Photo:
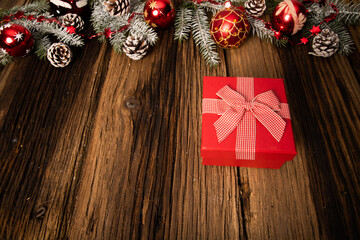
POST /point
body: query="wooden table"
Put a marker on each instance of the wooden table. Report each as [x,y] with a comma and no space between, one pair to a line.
[109,148]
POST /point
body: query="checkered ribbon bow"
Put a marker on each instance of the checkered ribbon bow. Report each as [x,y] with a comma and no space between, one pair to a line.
[264,107]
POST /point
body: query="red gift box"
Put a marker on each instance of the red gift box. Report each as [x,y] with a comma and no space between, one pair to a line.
[246,123]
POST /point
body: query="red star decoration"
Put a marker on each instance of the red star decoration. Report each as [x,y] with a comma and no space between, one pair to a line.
[31,17]
[41,18]
[304,40]
[108,33]
[315,30]
[18,15]
[71,29]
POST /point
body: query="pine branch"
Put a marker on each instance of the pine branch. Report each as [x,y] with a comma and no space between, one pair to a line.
[183,23]
[317,16]
[349,13]
[5,58]
[137,6]
[117,40]
[140,27]
[102,20]
[259,29]
[202,37]
[271,5]
[42,44]
[211,7]
[54,29]
[36,8]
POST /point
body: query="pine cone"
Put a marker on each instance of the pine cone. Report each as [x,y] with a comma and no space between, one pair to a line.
[72,20]
[255,8]
[117,7]
[135,47]
[59,54]
[325,44]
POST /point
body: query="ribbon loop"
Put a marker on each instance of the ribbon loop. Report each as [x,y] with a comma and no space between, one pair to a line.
[263,107]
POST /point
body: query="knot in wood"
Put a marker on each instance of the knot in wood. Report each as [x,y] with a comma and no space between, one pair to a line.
[132,103]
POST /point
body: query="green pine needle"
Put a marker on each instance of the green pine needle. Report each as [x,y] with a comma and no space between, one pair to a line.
[202,37]
[259,29]
[5,58]
[183,22]
[101,20]
[36,8]
[349,13]
[317,15]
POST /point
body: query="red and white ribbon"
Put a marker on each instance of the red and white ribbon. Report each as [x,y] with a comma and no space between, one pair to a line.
[240,109]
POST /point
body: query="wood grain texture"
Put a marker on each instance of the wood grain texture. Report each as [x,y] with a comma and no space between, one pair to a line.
[109,148]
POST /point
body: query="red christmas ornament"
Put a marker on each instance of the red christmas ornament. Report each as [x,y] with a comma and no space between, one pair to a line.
[229,27]
[159,13]
[16,40]
[289,17]
[62,7]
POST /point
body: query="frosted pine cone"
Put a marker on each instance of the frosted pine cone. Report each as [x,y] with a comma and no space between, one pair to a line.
[59,55]
[135,47]
[325,44]
[117,7]
[255,8]
[72,20]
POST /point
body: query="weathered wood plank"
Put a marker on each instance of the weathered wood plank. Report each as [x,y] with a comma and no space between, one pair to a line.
[110,148]
[277,204]
[43,138]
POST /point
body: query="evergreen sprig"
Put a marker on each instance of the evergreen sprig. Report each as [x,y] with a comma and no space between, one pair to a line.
[42,31]
[211,7]
[202,37]
[318,14]
[35,8]
[102,20]
[5,58]
[349,13]
[182,24]
[260,30]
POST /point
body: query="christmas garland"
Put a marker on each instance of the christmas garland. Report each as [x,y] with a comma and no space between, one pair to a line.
[132,26]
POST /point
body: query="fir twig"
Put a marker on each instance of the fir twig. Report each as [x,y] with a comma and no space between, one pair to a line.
[183,21]
[42,44]
[259,29]
[44,29]
[5,58]
[117,40]
[349,13]
[271,5]
[102,20]
[202,37]
[211,7]
[36,8]
[140,27]
[317,15]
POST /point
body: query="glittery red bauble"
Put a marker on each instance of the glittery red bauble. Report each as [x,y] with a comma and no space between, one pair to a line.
[289,17]
[229,27]
[62,7]
[159,13]
[16,40]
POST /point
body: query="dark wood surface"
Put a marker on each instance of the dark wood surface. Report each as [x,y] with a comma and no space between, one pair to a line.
[109,148]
